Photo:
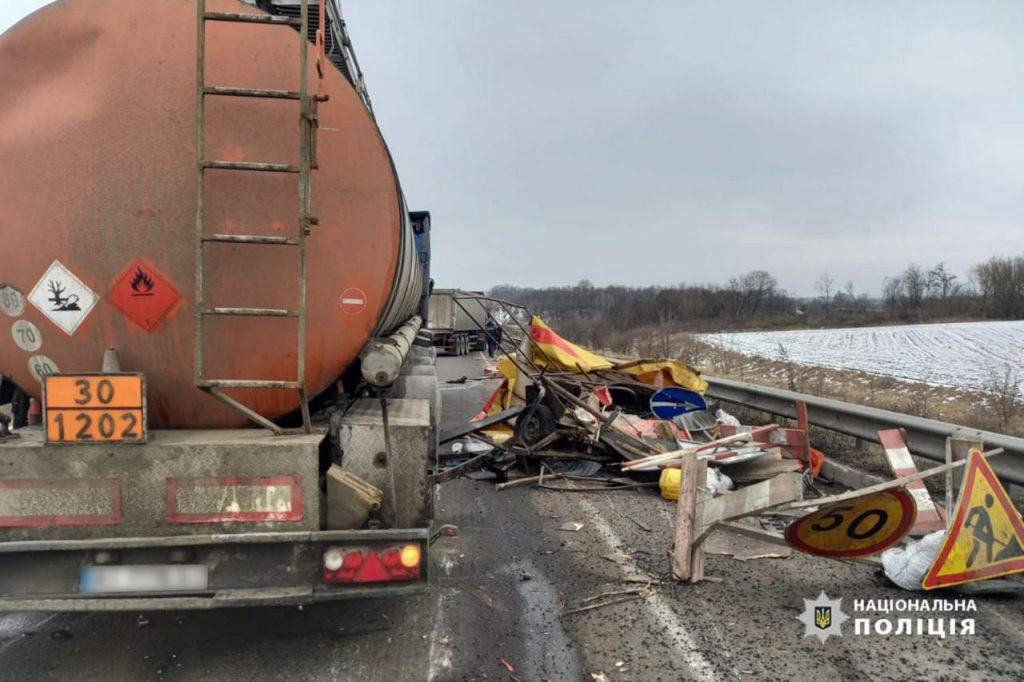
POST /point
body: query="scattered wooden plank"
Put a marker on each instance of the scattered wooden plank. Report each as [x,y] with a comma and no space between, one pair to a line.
[750,500]
[792,441]
[681,453]
[760,469]
[754,532]
[743,547]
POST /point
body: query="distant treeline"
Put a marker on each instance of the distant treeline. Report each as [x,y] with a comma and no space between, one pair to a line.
[595,315]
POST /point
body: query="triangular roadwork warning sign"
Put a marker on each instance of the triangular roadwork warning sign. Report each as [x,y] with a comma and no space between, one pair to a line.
[986,538]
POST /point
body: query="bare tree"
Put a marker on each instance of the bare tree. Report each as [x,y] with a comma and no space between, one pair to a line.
[1001,281]
[789,367]
[751,291]
[892,293]
[942,283]
[915,283]
[1005,385]
[824,285]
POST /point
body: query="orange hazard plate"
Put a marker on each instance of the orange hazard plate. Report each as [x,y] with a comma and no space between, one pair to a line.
[95,408]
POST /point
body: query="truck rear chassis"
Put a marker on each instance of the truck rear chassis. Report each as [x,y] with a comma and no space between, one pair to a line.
[246,569]
[247,508]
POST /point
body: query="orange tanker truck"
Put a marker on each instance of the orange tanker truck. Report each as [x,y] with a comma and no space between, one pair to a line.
[213,293]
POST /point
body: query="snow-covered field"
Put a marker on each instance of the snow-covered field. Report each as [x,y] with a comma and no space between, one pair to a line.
[963,355]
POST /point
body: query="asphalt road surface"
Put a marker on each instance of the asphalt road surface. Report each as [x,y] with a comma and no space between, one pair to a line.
[495,610]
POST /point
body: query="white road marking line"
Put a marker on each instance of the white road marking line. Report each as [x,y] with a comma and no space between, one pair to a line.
[656,605]
[439,660]
[540,614]
[20,624]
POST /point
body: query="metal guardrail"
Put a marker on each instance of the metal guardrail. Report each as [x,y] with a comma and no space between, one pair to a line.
[925,437]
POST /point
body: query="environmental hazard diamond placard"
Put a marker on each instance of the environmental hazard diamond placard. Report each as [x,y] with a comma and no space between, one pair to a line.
[986,538]
[62,297]
[144,295]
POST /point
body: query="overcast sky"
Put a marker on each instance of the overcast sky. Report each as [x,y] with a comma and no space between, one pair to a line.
[655,142]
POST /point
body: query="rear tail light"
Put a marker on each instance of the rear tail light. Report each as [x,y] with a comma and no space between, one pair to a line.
[372,564]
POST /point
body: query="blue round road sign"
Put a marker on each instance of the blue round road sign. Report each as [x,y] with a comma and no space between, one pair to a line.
[673,401]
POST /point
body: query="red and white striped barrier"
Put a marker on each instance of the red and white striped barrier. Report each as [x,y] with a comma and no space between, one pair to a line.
[928,516]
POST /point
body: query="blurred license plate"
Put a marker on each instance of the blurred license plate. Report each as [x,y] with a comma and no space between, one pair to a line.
[153,578]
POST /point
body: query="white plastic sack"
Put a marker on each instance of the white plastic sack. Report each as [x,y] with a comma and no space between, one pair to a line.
[718,481]
[724,417]
[470,446]
[907,565]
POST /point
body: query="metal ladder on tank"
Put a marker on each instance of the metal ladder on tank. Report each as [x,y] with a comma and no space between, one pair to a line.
[307,162]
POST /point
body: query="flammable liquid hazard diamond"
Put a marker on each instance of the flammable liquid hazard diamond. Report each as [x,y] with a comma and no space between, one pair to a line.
[144,295]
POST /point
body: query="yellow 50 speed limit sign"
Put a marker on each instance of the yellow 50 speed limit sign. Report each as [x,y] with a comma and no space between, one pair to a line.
[855,528]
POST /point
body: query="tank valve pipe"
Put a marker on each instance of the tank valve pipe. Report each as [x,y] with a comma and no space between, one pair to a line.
[381,359]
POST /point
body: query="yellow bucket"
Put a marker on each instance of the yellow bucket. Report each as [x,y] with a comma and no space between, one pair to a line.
[669,483]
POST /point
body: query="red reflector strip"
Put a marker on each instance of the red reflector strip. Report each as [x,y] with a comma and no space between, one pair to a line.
[59,502]
[246,499]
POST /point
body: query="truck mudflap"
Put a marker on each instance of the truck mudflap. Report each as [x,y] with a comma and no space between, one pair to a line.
[241,569]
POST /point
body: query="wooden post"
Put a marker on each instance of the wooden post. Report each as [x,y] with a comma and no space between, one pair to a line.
[957,450]
[949,482]
[686,512]
[697,545]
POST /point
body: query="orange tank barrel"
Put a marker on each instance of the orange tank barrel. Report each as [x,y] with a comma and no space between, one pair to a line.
[98,188]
